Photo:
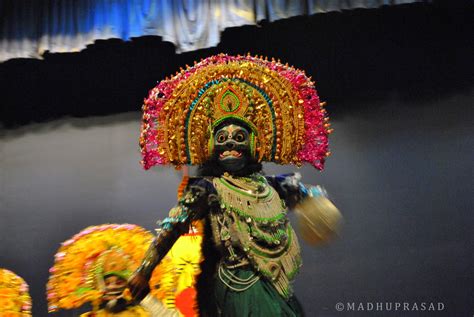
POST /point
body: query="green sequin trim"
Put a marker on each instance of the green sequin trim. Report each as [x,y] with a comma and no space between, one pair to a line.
[252,144]
[266,255]
[291,275]
[234,105]
[270,239]
[236,117]
[245,215]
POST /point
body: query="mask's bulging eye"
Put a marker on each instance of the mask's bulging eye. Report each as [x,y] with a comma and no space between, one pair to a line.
[239,137]
[221,137]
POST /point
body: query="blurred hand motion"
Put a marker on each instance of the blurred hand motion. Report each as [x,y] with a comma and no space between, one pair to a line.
[319,220]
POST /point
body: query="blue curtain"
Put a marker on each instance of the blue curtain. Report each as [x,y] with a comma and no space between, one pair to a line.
[30,28]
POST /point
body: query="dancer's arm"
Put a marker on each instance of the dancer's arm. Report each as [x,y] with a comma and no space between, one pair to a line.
[193,205]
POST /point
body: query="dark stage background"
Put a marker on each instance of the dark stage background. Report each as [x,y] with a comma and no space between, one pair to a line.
[399,83]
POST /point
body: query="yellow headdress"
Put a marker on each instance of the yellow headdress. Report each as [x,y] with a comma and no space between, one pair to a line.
[278,103]
[82,262]
[14,298]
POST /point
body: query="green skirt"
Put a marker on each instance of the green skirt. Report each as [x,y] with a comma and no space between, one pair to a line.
[260,299]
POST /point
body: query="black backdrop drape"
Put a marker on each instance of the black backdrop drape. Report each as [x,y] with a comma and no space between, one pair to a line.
[420,51]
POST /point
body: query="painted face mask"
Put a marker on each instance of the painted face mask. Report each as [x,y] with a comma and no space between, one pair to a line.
[232,145]
[114,287]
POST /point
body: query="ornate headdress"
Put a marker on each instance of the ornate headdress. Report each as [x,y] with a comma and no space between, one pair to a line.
[14,297]
[83,261]
[277,102]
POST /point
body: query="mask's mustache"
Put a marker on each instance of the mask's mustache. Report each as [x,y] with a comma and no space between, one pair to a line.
[232,153]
